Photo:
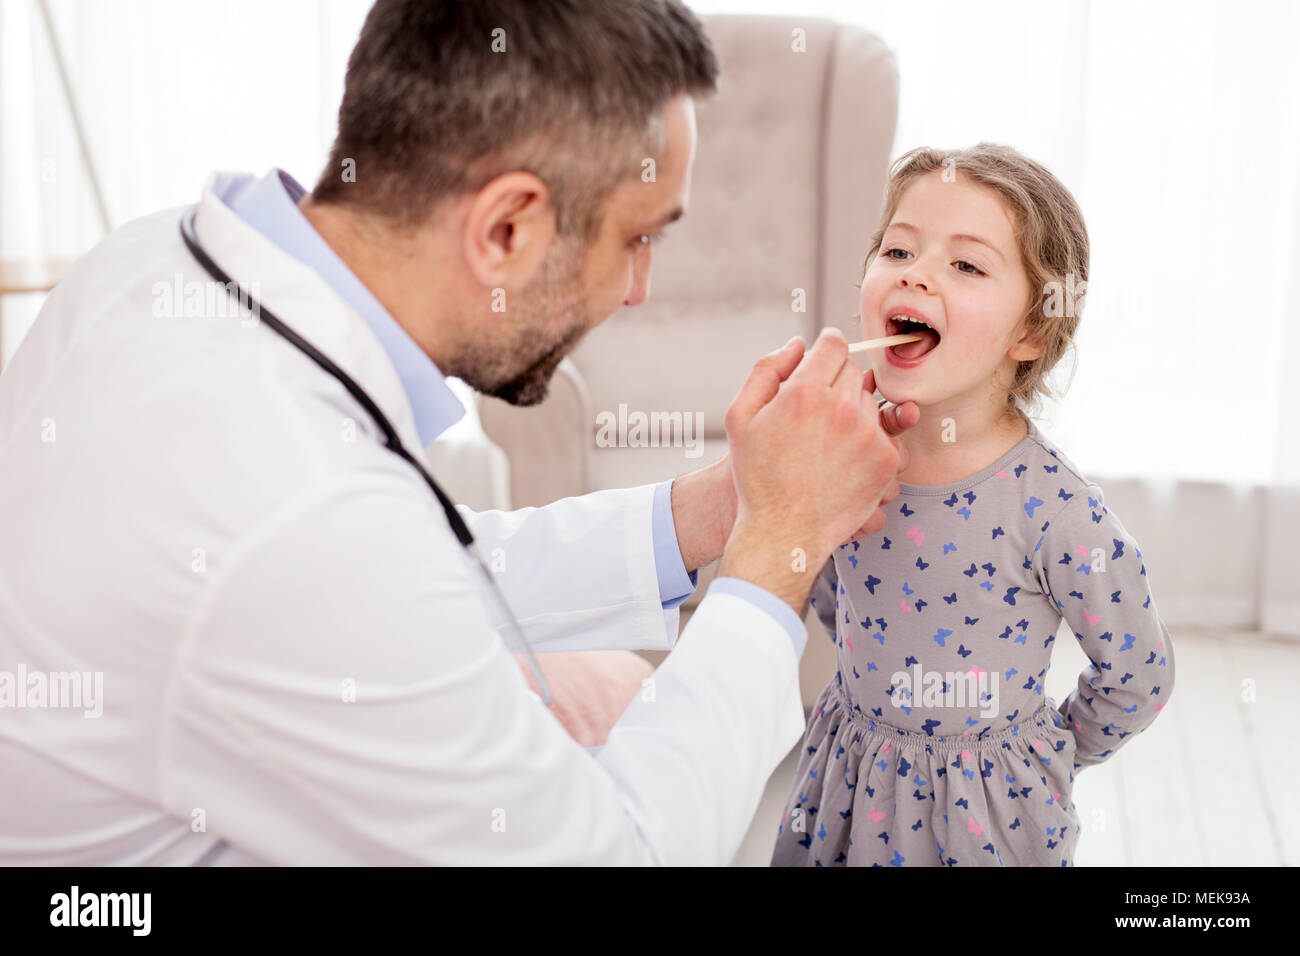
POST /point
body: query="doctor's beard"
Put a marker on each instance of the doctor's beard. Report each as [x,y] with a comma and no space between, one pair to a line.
[517,365]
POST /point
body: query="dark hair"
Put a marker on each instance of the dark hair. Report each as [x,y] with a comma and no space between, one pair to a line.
[441,96]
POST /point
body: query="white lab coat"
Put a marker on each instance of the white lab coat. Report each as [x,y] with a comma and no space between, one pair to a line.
[299,663]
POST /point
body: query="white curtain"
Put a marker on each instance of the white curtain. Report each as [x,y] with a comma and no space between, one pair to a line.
[167,92]
[1177,127]
[1175,124]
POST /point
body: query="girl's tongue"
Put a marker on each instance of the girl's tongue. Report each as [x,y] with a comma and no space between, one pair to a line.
[914,350]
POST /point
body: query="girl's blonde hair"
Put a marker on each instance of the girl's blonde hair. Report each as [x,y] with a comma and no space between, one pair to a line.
[1051,234]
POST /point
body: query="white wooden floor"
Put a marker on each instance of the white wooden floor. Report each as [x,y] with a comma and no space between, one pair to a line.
[1215,781]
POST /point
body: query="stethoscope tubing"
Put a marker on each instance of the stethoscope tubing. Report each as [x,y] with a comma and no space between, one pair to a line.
[390,437]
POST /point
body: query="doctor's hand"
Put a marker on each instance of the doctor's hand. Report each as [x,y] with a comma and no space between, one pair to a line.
[894,420]
[813,460]
[704,501]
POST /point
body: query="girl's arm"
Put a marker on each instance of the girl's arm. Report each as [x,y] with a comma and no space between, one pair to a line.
[822,599]
[1094,574]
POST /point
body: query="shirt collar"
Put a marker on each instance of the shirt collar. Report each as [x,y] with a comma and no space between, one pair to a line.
[270,205]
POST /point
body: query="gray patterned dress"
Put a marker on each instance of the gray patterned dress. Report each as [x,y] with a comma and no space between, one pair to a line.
[934,743]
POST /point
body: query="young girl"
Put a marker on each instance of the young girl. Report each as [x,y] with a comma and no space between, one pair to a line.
[934,743]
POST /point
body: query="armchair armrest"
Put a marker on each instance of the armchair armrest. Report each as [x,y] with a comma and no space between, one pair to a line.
[553,438]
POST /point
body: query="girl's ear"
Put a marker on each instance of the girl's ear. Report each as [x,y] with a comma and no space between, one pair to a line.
[1028,347]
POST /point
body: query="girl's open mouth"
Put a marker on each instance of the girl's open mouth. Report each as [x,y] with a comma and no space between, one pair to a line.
[910,352]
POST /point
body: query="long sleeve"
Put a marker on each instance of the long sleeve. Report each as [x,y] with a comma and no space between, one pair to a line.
[579,574]
[1092,569]
[822,599]
[676,584]
[320,716]
[588,573]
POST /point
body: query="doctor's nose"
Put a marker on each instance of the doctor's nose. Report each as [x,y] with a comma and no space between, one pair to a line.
[639,280]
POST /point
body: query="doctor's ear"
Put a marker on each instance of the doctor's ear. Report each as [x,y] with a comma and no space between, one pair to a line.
[509,225]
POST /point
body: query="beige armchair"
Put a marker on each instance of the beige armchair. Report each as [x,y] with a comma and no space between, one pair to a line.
[788,183]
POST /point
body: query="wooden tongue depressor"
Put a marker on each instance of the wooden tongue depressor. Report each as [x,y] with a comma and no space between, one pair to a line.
[884,343]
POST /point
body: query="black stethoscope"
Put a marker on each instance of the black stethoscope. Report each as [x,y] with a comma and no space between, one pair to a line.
[391,441]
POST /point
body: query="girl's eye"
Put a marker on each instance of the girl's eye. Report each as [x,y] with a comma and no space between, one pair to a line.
[648,240]
[969,269]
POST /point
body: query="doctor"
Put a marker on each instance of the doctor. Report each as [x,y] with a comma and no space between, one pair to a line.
[298,662]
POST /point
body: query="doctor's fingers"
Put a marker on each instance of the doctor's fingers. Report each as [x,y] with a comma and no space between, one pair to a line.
[894,419]
[904,458]
[873,524]
[878,519]
[890,492]
[824,362]
[763,383]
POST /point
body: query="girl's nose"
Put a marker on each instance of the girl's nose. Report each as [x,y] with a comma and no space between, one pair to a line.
[915,279]
[917,274]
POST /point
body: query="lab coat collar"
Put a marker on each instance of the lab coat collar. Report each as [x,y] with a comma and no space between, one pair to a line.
[270,205]
[304,301]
